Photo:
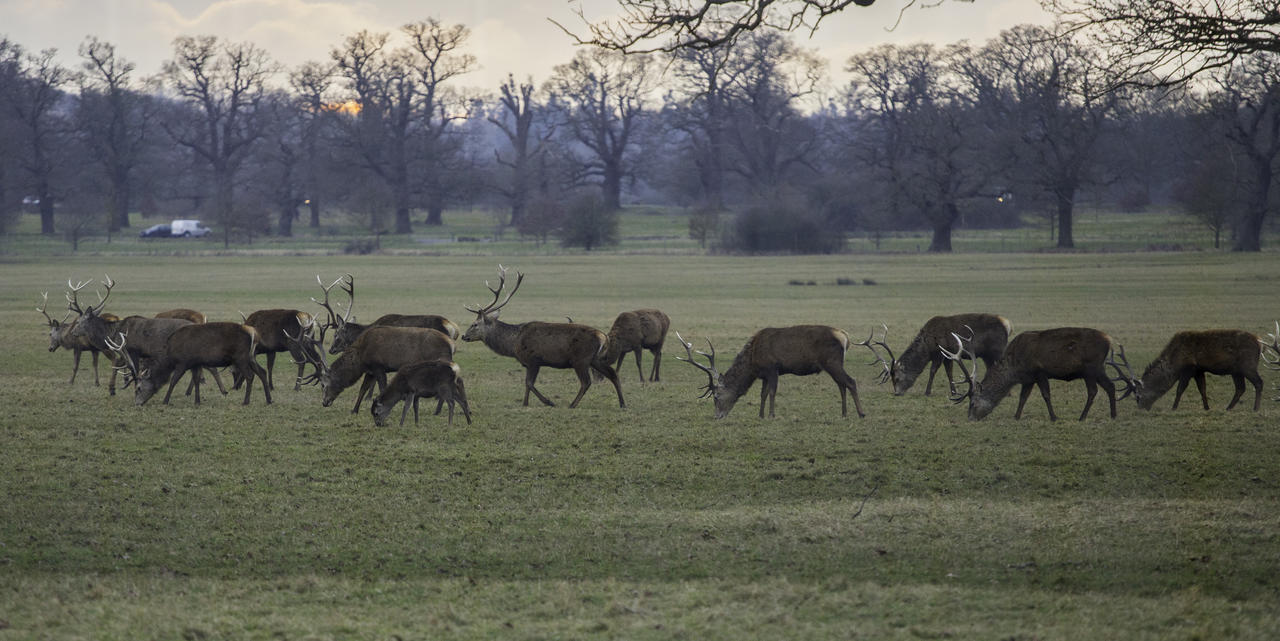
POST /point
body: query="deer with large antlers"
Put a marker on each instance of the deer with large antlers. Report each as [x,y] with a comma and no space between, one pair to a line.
[537,344]
[1189,356]
[990,336]
[801,350]
[62,334]
[346,330]
[1031,360]
[1271,353]
[274,326]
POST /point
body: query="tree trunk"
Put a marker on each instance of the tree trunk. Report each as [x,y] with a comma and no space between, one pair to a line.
[943,222]
[313,204]
[46,211]
[1249,229]
[611,187]
[1066,202]
[288,211]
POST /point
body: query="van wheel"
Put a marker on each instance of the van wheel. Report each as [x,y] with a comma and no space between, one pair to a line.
[186,234]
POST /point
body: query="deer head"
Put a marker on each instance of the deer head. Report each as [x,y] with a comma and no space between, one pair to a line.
[979,406]
[1129,383]
[308,345]
[715,388]
[335,320]
[56,327]
[487,316]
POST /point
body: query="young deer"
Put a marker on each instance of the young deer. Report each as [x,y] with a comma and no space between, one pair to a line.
[536,345]
[990,335]
[636,331]
[773,351]
[1189,356]
[439,379]
[1032,359]
[378,350]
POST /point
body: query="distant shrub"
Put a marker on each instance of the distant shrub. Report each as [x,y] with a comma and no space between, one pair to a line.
[588,223]
[704,222]
[782,228]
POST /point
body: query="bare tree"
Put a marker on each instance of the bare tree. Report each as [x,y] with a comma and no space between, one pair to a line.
[32,99]
[698,107]
[1167,42]
[311,83]
[519,110]
[646,26]
[437,63]
[600,96]
[113,117]
[225,86]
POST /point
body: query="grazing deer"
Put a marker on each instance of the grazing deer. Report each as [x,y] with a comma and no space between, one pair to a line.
[62,334]
[1032,359]
[990,335]
[771,352]
[537,344]
[193,346]
[273,325]
[439,379]
[347,330]
[636,331]
[1189,356]
[378,350]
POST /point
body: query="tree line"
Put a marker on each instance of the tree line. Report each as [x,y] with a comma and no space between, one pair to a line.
[752,138]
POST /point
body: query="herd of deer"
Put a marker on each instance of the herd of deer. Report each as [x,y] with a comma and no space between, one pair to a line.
[419,349]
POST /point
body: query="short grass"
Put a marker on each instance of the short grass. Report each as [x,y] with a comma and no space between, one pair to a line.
[293,521]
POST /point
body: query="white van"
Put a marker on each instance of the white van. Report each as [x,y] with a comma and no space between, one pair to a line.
[187,229]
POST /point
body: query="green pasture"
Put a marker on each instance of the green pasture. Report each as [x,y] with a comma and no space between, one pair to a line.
[292,521]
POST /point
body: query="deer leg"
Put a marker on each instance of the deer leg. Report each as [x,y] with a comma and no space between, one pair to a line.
[639,367]
[1091,390]
[95,368]
[404,411]
[271,368]
[657,361]
[439,404]
[1182,387]
[933,370]
[1043,384]
[173,381]
[75,365]
[1110,388]
[612,374]
[213,371]
[460,392]
[764,394]
[584,382]
[1023,395]
[1200,385]
[255,369]
[365,386]
[450,424]
[1257,389]
[530,376]
[846,382]
[1239,383]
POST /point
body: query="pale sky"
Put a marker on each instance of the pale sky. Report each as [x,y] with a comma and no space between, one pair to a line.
[507,36]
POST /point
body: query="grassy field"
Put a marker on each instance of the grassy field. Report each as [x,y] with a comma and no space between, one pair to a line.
[293,521]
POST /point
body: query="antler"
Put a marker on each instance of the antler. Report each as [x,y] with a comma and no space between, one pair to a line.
[309,348]
[870,343]
[712,375]
[348,283]
[73,303]
[1271,351]
[1124,374]
[44,304]
[495,306]
[130,369]
[962,351]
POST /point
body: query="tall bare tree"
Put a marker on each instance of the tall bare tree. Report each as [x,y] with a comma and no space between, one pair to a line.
[224,86]
[698,107]
[113,116]
[519,110]
[311,84]
[600,96]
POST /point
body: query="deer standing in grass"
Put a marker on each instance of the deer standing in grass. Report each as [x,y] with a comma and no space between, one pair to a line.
[990,336]
[273,325]
[1189,356]
[379,350]
[346,330]
[1031,360]
[194,346]
[636,331]
[429,379]
[536,344]
[62,334]
[771,352]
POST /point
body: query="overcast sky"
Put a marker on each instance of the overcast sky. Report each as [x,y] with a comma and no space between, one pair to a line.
[507,36]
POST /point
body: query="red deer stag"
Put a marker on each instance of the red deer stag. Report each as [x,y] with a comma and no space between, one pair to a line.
[990,335]
[636,331]
[346,330]
[1032,359]
[1189,356]
[439,379]
[272,326]
[193,346]
[771,352]
[62,334]
[537,344]
[379,350]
